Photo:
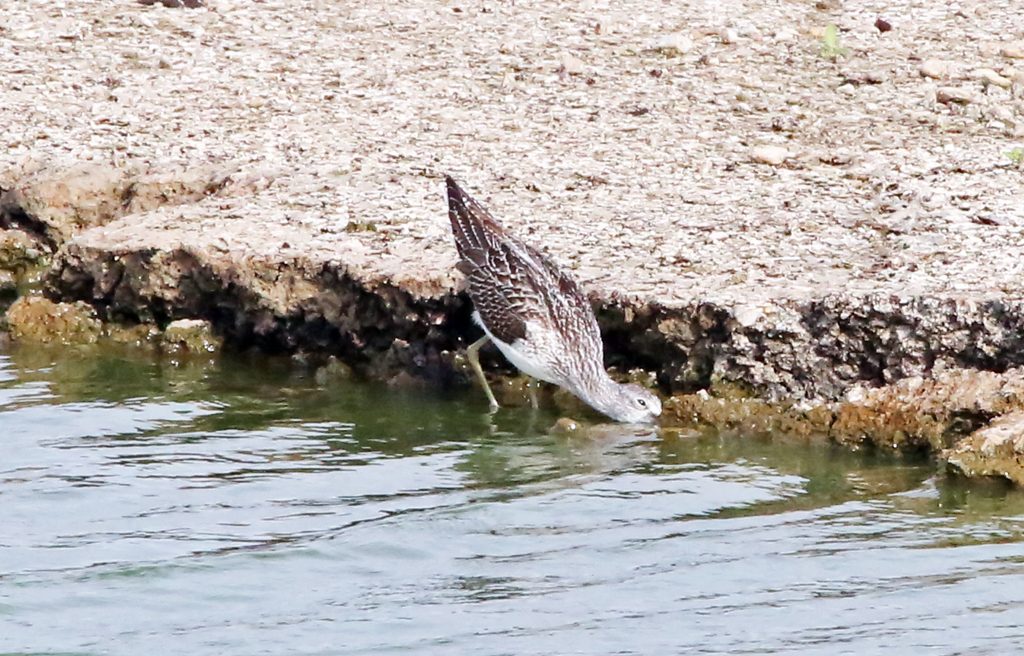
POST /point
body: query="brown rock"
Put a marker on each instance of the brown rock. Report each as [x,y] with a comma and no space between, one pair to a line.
[19,250]
[32,318]
[995,450]
[191,336]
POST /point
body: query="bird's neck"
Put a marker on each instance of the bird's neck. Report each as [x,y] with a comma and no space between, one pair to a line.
[597,390]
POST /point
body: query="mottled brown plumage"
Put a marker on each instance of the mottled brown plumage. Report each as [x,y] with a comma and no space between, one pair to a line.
[535,313]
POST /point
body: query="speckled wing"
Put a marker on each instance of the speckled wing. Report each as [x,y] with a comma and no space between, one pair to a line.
[511,283]
[571,313]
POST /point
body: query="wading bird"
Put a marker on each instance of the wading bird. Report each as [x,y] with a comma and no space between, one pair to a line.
[536,315]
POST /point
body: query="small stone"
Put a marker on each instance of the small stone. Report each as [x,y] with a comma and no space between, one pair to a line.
[856,394]
[935,69]
[191,336]
[673,45]
[605,25]
[570,64]
[728,35]
[858,78]
[882,25]
[566,426]
[748,315]
[174,4]
[847,89]
[773,155]
[1013,50]
[988,76]
[333,370]
[784,34]
[954,95]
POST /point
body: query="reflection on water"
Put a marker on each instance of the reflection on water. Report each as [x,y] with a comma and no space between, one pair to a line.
[242,508]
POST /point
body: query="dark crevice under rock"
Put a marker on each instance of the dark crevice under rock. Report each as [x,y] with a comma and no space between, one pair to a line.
[380,332]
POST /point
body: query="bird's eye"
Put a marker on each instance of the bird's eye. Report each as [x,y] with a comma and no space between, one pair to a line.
[642,403]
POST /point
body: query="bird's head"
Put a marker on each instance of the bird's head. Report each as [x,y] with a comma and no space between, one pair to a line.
[629,403]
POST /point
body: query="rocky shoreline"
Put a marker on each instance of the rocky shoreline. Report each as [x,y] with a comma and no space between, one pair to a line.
[938,375]
[799,222]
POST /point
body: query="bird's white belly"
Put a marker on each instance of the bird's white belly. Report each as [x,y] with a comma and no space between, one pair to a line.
[524,359]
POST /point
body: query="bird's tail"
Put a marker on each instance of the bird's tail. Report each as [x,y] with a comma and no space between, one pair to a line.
[472,225]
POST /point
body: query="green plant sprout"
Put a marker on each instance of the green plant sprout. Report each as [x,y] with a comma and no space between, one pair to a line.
[1016,155]
[830,48]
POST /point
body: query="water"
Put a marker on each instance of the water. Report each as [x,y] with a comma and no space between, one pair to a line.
[241,508]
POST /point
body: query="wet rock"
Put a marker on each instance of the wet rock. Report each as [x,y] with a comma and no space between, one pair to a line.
[954,95]
[333,370]
[643,378]
[19,250]
[912,414]
[190,336]
[748,415]
[8,284]
[403,380]
[36,319]
[995,450]
[773,155]
[141,335]
[928,412]
[513,391]
[567,427]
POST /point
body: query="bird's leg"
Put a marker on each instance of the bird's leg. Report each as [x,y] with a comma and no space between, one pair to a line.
[474,361]
[532,385]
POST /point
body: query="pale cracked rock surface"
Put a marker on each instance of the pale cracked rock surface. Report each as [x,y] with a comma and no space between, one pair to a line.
[616,137]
